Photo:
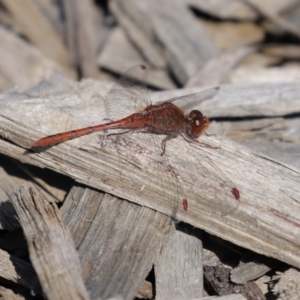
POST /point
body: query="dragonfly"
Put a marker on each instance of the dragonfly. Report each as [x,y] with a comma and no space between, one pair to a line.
[163,118]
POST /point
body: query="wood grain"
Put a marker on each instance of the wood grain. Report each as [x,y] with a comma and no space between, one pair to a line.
[184,51]
[51,248]
[182,254]
[120,55]
[17,270]
[37,27]
[265,218]
[118,242]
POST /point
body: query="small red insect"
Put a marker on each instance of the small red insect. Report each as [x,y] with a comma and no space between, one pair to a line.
[164,118]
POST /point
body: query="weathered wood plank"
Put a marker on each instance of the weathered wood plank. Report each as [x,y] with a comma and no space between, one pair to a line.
[184,51]
[287,153]
[10,178]
[37,27]
[81,35]
[12,294]
[233,35]
[256,130]
[286,74]
[147,48]
[21,64]
[179,270]
[246,99]
[259,60]
[13,175]
[273,17]
[288,284]
[266,215]
[231,9]
[227,297]
[247,271]
[283,51]
[118,242]
[215,70]
[146,291]
[17,270]
[119,55]
[51,248]
[221,254]
[217,278]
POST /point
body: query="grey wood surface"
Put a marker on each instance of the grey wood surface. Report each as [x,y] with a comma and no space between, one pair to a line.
[22,64]
[80,21]
[231,36]
[288,283]
[216,69]
[237,44]
[183,50]
[245,99]
[7,293]
[265,218]
[251,270]
[11,177]
[136,34]
[36,27]
[231,9]
[287,153]
[179,270]
[17,270]
[118,242]
[51,248]
[119,55]
[227,297]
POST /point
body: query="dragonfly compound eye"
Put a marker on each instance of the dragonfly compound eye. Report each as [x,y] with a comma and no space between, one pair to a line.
[198,123]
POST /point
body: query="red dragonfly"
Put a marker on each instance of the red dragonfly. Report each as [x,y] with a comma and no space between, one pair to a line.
[163,118]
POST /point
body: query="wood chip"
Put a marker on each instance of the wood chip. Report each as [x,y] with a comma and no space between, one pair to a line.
[233,35]
[185,51]
[51,248]
[181,255]
[81,35]
[253,222]
[123,195]
[37,27]
[232,9]
[285,51]
[267,12]
[21,63]
[118,242]
[252,270]
[17,270]
[217,278]
[11,295]
[217,69]
[11,176]
[274,74]
[119,55]
[244,99]
[288,284]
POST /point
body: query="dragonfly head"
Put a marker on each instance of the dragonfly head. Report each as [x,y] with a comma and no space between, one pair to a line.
[197,123]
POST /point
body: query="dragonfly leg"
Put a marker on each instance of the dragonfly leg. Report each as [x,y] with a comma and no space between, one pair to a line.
[107,120]
[191,140]
[164,142]
[212,134]
[206,145]
[123,132]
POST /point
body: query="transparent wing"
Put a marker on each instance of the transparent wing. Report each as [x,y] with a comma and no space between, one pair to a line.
[189,102]
[129,94]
